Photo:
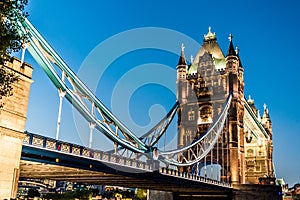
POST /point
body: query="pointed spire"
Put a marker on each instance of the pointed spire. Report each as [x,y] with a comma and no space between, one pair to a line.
[258,115]
[237,51]
[250,101]
[182,58]
[266,121]
[192,59]
[265,106]
[231,51]
[266,112]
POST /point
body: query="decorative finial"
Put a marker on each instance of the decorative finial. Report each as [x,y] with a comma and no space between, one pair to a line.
[209,35]
[250,100]
[209,29]
[230,37]
[192,58]
[237,50]
[182,47]
[265,106]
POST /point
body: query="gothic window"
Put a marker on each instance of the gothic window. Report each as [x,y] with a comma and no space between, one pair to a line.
[205,113]
[188,136]
[250,166]
[250,152]
[250,163]
[181,74]
[191,115]
[258,168]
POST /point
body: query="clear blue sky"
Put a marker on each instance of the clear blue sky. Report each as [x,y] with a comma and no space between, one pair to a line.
[267,33]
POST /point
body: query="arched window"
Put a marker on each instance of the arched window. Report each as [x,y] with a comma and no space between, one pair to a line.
[188,137]
[191,115]
[250,152]
[206,113]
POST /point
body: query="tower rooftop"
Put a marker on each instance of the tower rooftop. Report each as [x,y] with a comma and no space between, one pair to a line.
[209,36]
[211,46]
[181,61]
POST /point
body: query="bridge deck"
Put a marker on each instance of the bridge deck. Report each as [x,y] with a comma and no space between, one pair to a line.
[155,180]
[37,162]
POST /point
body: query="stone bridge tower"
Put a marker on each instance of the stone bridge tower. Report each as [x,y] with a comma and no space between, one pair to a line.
[12,124]
[202,89]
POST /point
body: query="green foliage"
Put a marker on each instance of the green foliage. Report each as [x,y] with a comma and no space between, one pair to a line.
[141,194]
[10,40]
[6,81]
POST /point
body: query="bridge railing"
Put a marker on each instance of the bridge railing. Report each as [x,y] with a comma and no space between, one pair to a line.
[51,144]
[42,142]
[189,176]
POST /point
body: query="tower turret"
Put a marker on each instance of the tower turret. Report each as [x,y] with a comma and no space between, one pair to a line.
[182,84]
[266,120]
[236,116]
[181,77]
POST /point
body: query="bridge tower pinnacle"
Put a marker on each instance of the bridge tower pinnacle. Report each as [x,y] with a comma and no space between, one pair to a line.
[236,114]
[181,83]
[12,124]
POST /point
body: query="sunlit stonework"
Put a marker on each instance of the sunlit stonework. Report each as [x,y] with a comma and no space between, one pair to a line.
[203,86]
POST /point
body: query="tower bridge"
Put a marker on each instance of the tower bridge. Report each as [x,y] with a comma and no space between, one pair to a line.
[216,125]
[57,160]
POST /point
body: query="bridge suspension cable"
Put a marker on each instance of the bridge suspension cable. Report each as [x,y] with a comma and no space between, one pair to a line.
[82,98]
[196,151]
[153,135]
[100,117]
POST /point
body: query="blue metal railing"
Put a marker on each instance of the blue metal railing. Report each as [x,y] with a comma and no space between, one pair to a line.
[51,144]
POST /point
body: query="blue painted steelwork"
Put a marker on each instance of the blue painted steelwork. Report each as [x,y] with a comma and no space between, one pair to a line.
[109,124]
[194,152]
[49,146]
[77,94]
[41,149]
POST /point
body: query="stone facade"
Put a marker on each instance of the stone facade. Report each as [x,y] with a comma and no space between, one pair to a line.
[258,143]
[202,89]
[12,124]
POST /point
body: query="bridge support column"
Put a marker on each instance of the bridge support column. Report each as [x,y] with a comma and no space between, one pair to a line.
[11,147]
[12,124]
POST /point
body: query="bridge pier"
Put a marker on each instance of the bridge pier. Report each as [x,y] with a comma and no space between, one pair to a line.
[12,124]
[11,146]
